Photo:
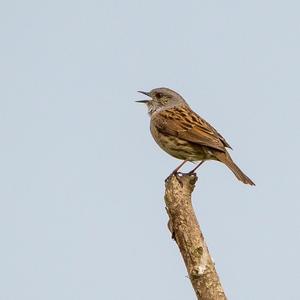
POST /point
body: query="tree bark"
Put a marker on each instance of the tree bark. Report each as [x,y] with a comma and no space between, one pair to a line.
[186,232]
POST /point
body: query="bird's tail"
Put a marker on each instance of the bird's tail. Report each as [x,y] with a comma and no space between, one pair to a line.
[225,158]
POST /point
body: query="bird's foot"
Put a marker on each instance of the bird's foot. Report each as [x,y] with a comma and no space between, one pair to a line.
[176,173]
[191,173]
[177,176]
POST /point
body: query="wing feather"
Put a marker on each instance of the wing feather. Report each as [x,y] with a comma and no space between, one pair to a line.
[187,125]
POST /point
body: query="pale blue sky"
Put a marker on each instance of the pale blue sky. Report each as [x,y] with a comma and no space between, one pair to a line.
[81,201]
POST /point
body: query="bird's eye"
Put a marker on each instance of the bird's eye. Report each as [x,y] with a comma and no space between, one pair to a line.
[159,95]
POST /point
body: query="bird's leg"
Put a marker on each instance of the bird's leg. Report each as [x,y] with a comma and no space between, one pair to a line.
[175,172]
[194,170]
[177,169]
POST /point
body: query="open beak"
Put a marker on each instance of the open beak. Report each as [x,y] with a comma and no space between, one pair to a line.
[145,93]
[143,101]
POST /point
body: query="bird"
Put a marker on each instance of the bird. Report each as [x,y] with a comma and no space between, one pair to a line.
[183,134]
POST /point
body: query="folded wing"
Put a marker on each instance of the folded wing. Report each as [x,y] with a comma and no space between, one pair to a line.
[182,122]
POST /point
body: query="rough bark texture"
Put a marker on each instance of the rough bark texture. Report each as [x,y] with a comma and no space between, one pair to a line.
[186,232]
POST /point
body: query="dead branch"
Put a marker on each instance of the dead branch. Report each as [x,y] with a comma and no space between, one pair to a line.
[186,232]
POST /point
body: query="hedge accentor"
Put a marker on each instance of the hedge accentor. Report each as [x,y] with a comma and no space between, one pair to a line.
[183,134]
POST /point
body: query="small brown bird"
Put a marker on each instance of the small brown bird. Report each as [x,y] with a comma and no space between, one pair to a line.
[183,134]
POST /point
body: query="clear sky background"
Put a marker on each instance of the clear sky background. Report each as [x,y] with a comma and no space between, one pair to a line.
[81,201]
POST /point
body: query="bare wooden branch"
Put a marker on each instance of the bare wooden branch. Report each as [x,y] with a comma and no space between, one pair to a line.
[186,232]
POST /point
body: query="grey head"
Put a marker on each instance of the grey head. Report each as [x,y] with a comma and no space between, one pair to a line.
[162,98]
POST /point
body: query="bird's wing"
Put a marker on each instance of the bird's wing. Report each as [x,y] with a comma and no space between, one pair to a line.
[187,125]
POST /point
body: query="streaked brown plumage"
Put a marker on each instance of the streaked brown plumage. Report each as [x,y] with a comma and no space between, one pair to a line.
[185,135]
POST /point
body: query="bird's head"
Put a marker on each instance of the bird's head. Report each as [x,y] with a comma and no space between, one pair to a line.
[161,98]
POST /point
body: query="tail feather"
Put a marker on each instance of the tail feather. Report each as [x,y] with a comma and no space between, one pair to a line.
[227,160]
